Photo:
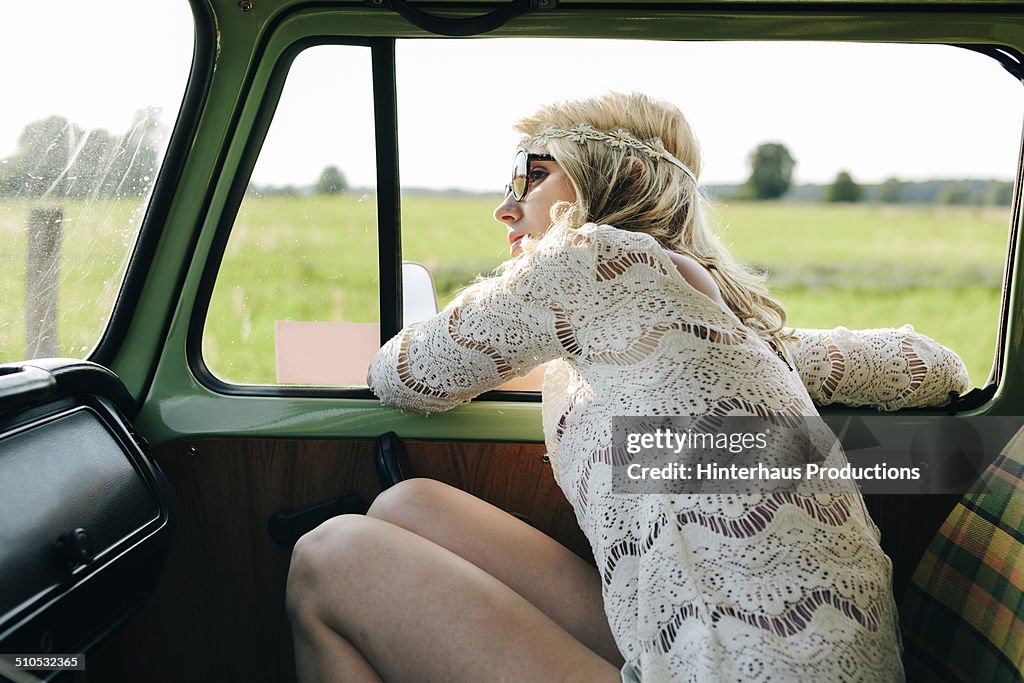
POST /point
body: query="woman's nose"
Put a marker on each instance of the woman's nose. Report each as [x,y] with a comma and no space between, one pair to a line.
[508,211]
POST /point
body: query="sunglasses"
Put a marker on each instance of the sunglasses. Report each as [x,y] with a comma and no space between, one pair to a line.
[520,184]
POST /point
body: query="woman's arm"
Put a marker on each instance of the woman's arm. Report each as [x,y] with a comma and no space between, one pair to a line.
[888,368]
[499,328]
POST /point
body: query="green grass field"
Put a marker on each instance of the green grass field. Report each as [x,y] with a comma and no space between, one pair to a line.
[290,258]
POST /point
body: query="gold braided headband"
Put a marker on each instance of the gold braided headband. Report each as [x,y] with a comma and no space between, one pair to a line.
[618,138]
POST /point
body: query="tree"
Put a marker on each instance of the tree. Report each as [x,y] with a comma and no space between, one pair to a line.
[57,158]
[40,163]
[771,171]
[844,189]
[331,181]
[891,191]
[956,193]
[999,193]
[136,157]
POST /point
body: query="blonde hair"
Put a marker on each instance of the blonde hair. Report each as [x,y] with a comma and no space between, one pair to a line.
[632,191]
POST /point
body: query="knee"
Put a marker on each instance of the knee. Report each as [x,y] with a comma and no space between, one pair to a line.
[410,501]
[322,558]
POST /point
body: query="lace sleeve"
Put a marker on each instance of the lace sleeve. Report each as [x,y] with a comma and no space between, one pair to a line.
[887,368]
[498,328]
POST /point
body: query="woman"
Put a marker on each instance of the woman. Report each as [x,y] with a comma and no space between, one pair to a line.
[649,317]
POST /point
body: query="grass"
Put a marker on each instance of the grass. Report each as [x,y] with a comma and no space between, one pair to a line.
[961,318]
[899,236]
[290,258]
[96,241]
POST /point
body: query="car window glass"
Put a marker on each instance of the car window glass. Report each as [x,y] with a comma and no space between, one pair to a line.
[84,127]
[295,300]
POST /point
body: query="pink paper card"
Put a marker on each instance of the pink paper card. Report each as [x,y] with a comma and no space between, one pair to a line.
[324,353]
[339,354]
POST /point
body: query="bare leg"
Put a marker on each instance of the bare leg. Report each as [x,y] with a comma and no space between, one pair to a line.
[551,577]
[366,596]
[323,655]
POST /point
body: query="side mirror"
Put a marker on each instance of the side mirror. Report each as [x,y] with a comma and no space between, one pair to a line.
[419,301]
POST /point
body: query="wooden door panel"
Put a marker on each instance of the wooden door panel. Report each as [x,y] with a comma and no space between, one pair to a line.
[218,612]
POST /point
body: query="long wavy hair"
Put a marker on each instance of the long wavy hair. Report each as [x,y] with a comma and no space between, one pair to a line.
[632,191]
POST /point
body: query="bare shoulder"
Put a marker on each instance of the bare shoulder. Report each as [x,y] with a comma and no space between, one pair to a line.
[698,277]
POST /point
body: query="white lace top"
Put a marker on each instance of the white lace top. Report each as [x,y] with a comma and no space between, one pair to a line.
[779,587]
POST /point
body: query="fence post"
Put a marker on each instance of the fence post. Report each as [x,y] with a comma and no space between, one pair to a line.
[41,277]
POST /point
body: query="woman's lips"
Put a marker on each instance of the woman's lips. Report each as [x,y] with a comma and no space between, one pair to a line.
[513,242]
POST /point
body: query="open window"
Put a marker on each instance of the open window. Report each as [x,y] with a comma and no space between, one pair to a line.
[927,135]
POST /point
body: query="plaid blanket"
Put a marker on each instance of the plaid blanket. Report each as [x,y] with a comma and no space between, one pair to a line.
[963,614]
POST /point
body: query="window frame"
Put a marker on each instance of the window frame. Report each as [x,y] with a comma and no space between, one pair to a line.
[388,218]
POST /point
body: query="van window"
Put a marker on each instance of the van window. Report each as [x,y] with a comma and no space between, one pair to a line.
[872,183]
[296,298]
[83,129]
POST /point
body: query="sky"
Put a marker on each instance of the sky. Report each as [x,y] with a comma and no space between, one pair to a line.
[913,111]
